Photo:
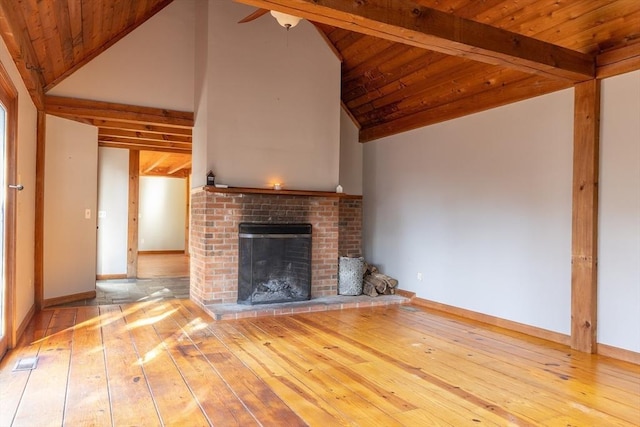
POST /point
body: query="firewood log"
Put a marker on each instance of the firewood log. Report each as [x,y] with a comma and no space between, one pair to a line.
[369,289]
[380,282]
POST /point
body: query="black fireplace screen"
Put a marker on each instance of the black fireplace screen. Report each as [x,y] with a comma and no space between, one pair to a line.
[274,263]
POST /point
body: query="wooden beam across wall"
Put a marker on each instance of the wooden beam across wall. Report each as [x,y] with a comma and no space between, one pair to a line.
[134,196]
[147,136]
[140,127]
[142,147]
[408,22]
[618,61]
[73,108]
[142,143]
[584,243]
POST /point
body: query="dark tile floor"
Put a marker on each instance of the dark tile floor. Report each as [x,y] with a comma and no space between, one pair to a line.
[134,290]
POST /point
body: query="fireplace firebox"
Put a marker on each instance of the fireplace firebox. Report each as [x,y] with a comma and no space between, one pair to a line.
[274,263]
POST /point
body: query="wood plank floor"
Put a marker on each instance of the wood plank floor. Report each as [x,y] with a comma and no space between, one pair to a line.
[167,363]
[153,266]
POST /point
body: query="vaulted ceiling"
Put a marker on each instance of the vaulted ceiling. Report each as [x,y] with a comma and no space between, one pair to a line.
[405,63]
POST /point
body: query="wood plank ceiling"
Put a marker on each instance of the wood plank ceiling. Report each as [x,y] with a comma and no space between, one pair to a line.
[405,63]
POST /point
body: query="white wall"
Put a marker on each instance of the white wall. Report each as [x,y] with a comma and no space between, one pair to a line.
[151,66]
[25,224]
[350,156]
[481,206]
[273,102]
[163,206]
[619,217]
[113,206]
[199,151]
[71,184]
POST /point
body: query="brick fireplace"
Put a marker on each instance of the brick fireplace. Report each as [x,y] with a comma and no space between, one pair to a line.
[336,221]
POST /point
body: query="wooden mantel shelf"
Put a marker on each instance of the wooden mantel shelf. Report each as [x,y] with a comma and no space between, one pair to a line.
[249,190]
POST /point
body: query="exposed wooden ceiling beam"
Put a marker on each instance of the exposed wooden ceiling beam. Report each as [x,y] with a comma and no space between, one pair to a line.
[150,136]
[156,163]
[179,167]
[141,147]
[14,31]
[182,173]
[407,22]
[141,144]
[140,127]
[618,61]
[88,109]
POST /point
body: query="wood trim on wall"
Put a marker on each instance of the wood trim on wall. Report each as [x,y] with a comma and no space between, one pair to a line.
[350,115]
[25,322]
[134,195]
[619,353]
[9,98]
[167,252]
[69,298]
[110,276]
[602,349]
[494,321]
[584,240]
[39,214]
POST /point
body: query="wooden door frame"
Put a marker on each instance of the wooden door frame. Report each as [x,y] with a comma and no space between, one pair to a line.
[9,98]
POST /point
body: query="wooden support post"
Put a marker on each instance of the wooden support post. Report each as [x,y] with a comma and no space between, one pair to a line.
[38,273]
[584,244]
[134,195]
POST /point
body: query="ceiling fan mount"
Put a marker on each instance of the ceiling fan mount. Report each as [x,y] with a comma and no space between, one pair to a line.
[284,19]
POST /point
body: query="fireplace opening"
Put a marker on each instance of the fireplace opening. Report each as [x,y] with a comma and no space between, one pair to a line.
[274,263]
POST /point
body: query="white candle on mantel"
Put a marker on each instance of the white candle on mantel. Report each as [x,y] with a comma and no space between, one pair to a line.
[277,186]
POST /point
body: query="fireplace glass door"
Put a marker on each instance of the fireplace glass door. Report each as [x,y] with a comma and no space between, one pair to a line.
[274,263]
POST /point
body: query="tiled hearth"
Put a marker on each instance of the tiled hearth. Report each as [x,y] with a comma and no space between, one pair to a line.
[336,221]
[336,302]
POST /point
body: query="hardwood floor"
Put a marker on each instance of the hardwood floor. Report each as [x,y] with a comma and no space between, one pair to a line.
[167,363]
[153,266]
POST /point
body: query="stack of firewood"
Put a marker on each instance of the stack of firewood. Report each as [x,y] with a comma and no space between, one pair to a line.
[376,283]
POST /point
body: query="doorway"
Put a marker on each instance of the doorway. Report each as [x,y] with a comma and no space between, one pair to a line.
[8,189]
[163,227]
[149,227]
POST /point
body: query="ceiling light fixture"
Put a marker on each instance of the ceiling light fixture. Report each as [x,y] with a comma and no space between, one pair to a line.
[286,20]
